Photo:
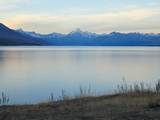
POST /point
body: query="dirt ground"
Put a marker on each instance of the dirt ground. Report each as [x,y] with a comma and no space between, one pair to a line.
[115,107]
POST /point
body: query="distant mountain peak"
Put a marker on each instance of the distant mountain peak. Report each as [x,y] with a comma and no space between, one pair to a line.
[77,31]
[20,30]
[115,33]
[80,33]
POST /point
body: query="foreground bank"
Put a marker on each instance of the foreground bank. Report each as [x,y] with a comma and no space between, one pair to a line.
[130,102]
[135,106]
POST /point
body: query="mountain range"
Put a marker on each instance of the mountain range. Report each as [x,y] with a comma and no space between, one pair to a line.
[19,37]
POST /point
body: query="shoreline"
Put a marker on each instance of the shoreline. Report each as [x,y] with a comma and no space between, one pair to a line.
[136,102]
[110,107]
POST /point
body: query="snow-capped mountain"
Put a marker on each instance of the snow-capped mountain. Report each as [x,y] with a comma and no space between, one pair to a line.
[38,35]
[81,34]
[77,37]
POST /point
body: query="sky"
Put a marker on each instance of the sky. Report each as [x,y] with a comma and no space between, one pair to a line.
[99,16]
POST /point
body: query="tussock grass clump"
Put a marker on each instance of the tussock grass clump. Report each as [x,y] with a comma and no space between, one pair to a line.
[83,92]
[4,99]
[141,94]
[138,89]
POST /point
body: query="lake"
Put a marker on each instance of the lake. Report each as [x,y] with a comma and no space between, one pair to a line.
[30,74]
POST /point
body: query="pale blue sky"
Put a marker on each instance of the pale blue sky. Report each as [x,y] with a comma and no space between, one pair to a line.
[101,16]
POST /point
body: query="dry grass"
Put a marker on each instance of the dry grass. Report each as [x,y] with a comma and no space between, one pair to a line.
[139,103]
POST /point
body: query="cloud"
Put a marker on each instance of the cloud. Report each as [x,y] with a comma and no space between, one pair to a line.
[10,6]
[5,2]
[130,19]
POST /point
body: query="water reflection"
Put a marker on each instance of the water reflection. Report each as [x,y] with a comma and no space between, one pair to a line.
[30,75]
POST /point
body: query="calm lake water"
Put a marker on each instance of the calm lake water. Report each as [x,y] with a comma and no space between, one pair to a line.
[30,74]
